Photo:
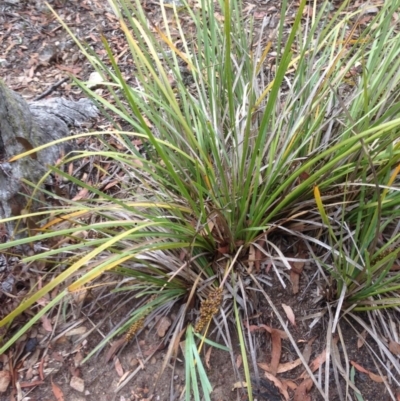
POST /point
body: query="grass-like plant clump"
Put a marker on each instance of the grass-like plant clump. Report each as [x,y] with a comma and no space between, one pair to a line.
[242,143]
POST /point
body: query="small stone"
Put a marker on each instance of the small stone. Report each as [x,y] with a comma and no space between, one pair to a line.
[163,325]
[77,359]
[133,362]
[30,345]
[48,54]
[3,260]
[95,79]
[77,384]
[8,284]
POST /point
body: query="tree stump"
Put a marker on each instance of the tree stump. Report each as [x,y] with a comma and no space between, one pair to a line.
[26,126]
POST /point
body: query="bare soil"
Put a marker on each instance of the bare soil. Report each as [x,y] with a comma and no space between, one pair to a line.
[59,361]
[36,56]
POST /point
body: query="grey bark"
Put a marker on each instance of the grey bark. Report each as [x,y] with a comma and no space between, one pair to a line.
[24,126]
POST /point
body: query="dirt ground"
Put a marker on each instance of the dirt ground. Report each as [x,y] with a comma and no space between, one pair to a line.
[36,56]
[50,370]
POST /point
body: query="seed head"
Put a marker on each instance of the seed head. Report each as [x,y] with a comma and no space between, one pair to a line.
[209,307]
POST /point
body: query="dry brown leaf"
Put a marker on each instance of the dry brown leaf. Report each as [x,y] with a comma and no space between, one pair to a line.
[276,337]
[304,175]
[114,348]
[29,374]
[82,194]
[239,385]
[118,367]
[260,15]
[32,226]
[308,350]
[270,329]
[182,346]
[301,392]
[174,346]
[78,358]
[208,357]
[76,331]
[239,361]
[252,257]
[308,11]
[154,348]
[290,314]
[30,384]
[394,347]
[247,10]
[282,387]
[74,71]
[318,361]
[41,368]
[376,378]
[219,17]
[123,377]
[268,267]
[282,367]
[315,364]
[5,378]
[296,271]
[298,265]
[57,392]
[141,364]
[294,279]
[46,323]
[276,350]
[290,384]
[252,327]
[359,367]
[223,249]
[112,184]
[361,339]
[258,257]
